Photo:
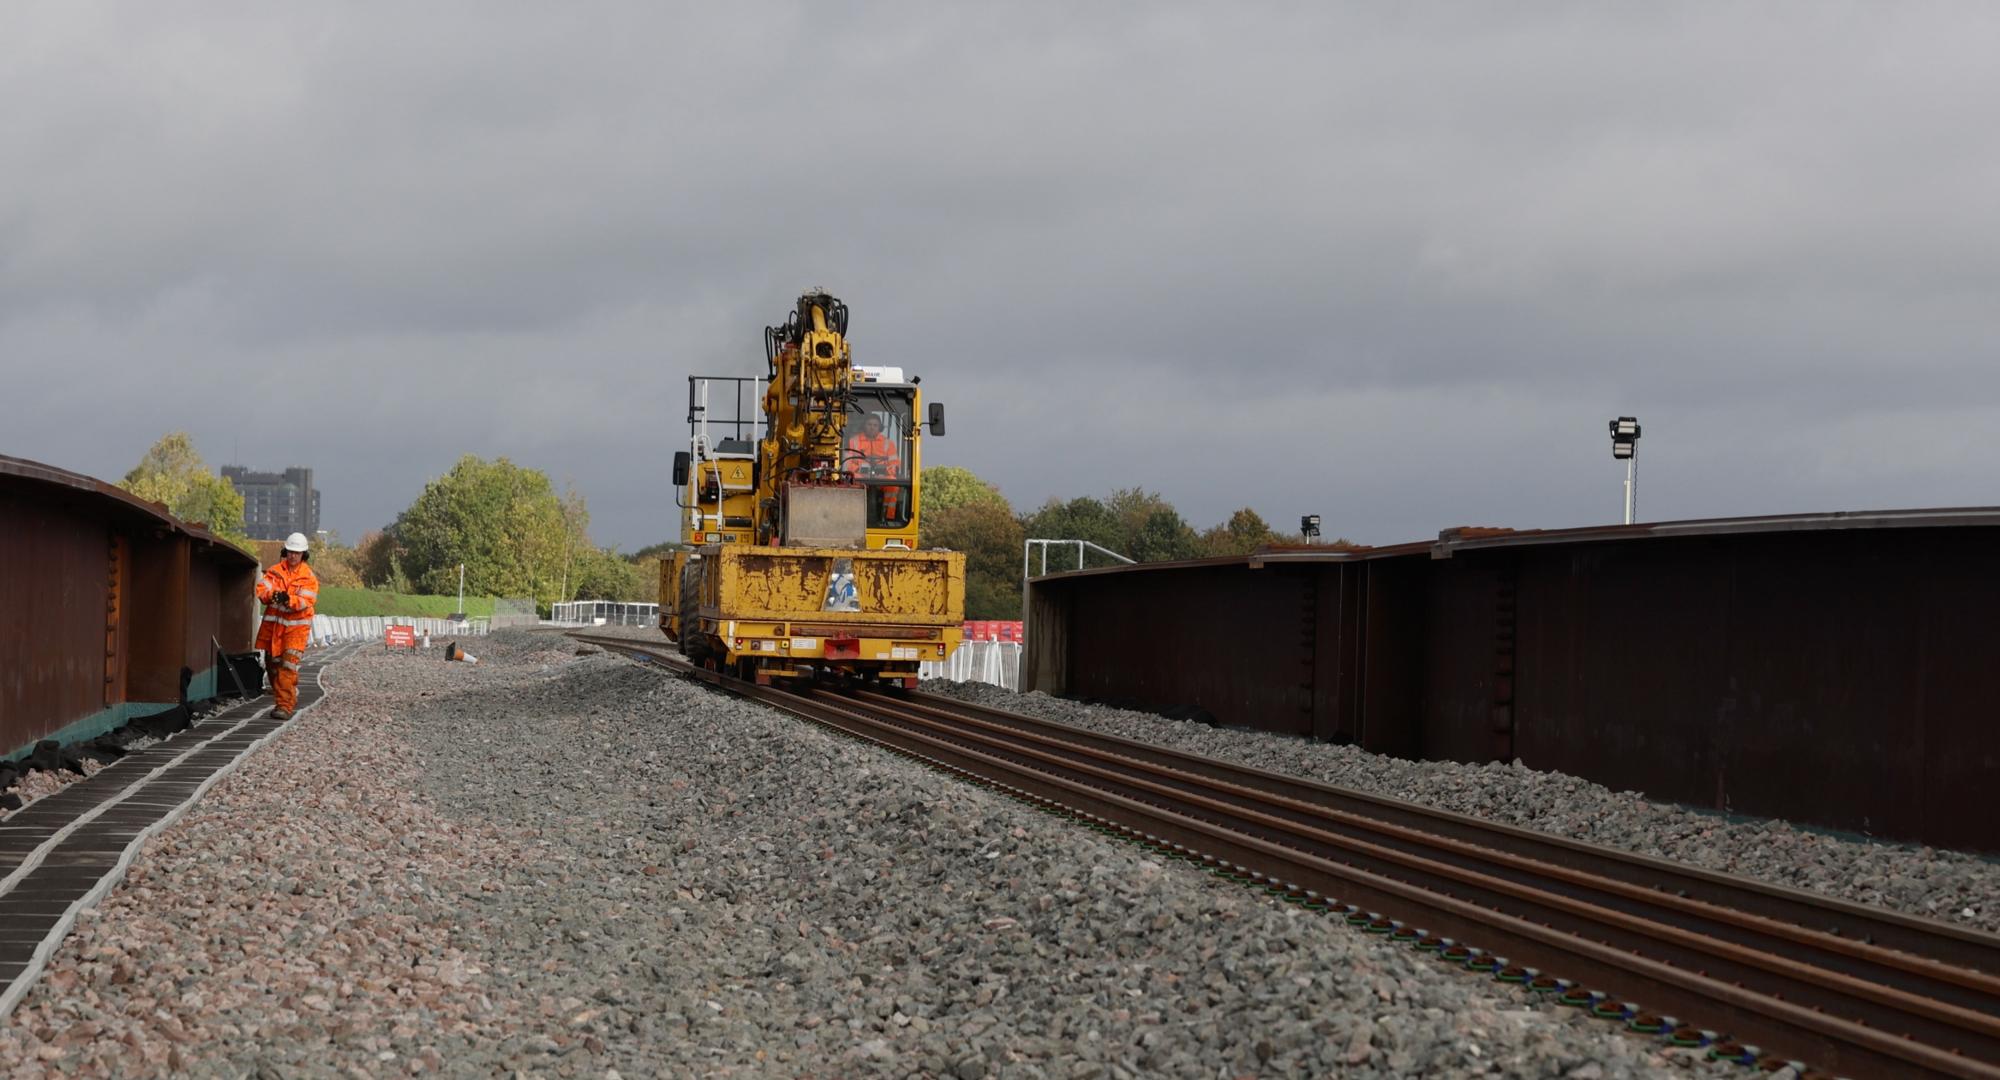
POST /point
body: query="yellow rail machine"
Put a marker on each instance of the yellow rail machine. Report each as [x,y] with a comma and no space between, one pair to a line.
[800,494]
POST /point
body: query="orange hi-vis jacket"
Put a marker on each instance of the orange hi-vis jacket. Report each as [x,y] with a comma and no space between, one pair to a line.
[292,623]
[876,453]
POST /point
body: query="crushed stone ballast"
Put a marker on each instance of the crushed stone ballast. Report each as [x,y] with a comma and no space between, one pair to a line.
[1702,960]
[60,854]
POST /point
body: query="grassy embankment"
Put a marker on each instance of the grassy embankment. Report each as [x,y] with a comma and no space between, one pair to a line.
[334,601]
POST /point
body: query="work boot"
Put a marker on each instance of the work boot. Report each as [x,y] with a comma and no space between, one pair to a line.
[281,714]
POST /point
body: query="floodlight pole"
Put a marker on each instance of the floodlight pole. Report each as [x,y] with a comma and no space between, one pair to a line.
[1631,485]
[1625,432]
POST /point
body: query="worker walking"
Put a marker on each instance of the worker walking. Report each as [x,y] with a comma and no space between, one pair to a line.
[289,590]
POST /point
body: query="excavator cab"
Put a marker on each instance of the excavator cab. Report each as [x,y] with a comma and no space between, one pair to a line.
[881,451]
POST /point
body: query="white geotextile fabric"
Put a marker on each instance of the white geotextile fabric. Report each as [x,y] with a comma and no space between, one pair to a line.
[994,662]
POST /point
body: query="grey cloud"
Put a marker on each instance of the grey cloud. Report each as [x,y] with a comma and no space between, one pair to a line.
[1393,264]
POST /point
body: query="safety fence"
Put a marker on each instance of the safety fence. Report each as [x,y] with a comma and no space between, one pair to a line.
[514,612]
[604,613]
[994,662]
[333,629]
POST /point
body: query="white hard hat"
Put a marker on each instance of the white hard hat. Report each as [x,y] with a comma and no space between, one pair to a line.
[295,542]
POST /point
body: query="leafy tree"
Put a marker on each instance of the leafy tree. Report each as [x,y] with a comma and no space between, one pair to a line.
[172,472]
[338,565]
[375,558]
[964,513]
[601,574]
[948,486]
[990,535]
[1248,529]
[1133,522]
[506,523]
[1153,530]
[1082,518]
[1243,533]
[1162,536]
[1134,505]
[647,571]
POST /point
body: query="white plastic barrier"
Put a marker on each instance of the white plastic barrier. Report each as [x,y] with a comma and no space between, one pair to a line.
[994,662]
[604,613]
[333,629]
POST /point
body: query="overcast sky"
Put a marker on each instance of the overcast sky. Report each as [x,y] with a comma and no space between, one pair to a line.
[1396,264]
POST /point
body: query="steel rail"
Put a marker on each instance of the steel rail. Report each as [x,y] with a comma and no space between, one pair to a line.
[1957,946]
[1932,979]
[1447,899]
[1795,1030]
[1777,967]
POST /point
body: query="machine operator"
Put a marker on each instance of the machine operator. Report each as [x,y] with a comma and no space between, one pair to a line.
[872,454]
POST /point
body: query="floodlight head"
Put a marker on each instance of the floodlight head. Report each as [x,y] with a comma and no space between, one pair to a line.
[1309,525]
[1624,437]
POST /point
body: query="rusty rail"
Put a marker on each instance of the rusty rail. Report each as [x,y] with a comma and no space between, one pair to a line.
[1954,945]
[1729,954]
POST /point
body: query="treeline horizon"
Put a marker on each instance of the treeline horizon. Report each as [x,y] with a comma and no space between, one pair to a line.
[518,537]
[962,512]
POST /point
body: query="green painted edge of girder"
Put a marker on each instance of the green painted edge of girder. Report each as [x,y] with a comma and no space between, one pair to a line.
[200,688]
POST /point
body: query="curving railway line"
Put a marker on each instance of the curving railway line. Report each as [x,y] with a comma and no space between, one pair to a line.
[1752,972]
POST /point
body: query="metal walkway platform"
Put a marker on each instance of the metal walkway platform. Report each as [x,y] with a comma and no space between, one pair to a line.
[63,853]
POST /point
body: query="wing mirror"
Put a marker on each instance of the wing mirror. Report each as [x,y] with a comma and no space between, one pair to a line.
[937,417]
[681,469]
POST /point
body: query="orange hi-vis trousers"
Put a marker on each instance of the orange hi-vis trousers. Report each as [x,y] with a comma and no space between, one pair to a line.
[284,648]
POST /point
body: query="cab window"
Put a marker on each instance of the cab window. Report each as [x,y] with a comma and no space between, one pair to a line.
[877,445]
[877,450]
[888,506]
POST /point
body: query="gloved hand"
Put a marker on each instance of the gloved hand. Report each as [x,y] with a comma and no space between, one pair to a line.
[281,599]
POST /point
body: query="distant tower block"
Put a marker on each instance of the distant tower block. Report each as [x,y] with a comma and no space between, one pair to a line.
[275,505]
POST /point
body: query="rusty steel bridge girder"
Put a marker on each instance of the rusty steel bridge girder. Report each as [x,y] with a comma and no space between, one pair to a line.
[109,602]
[1832,670]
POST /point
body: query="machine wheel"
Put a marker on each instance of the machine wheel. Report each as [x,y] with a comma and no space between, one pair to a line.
[689,606]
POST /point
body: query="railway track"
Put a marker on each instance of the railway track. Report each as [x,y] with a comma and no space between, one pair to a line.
[1684,953]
